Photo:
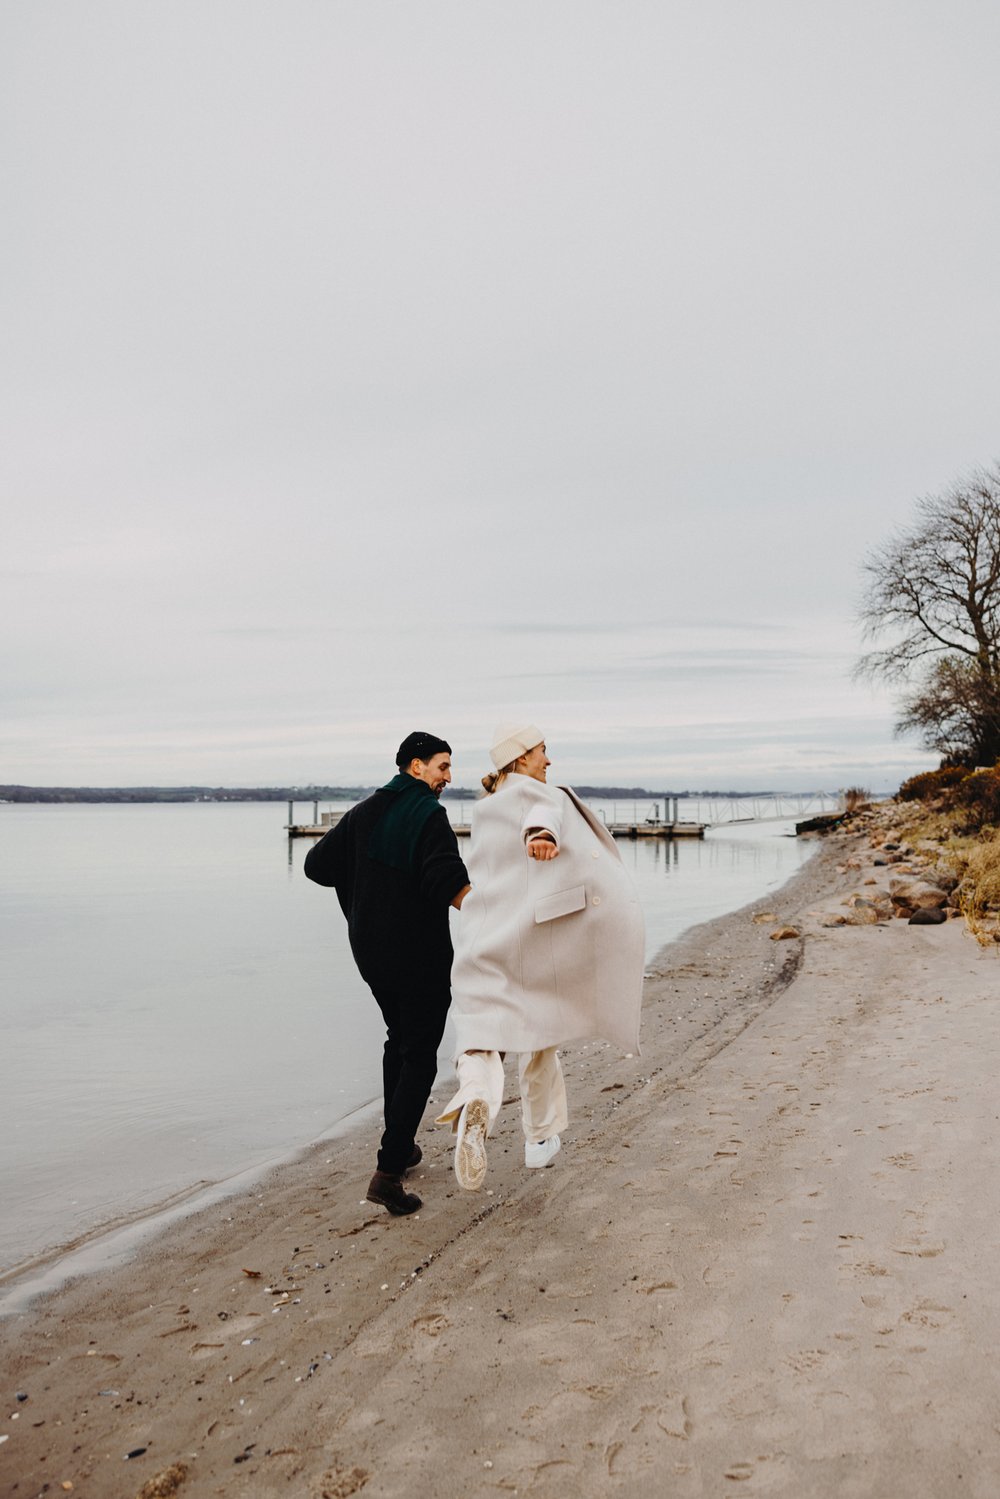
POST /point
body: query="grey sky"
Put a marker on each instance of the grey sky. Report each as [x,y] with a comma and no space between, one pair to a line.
[372,366]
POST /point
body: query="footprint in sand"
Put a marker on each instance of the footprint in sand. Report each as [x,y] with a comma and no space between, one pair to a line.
[928,1314]
[806,1359]
[674,1418]
[432,1325]
[865,1267]
[341,1483]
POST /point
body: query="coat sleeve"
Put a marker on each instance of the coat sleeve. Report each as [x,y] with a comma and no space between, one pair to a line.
[330,862]
[441,872]
[540,814]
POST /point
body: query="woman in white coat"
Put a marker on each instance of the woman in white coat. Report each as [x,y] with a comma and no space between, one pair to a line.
[550,949]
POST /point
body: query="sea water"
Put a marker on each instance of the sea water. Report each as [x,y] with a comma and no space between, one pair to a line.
[178,1002]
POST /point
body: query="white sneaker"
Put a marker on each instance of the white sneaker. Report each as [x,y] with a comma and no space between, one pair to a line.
[470,1146]
[541,1152]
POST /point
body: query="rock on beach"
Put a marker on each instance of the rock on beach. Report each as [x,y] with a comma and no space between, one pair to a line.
[909,895]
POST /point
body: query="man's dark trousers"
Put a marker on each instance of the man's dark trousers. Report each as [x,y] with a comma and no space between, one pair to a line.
[415,1025]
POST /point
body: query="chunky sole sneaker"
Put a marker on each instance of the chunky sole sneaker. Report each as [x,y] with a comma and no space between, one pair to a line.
[389,1192]
[538,1153]
[470,1146]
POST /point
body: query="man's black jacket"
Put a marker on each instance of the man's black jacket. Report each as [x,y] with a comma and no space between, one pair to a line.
[397,912]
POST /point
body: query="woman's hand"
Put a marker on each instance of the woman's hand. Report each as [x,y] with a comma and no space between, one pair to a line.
[541,848]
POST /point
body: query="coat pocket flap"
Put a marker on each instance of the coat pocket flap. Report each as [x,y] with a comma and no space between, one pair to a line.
[563,903]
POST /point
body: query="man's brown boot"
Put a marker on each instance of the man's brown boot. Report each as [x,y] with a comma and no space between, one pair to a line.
[388,1191]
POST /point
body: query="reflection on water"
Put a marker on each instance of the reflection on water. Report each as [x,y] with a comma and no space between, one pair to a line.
[178,1002]
[687,881]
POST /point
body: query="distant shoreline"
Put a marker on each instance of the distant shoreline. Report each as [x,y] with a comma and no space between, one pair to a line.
[146,794]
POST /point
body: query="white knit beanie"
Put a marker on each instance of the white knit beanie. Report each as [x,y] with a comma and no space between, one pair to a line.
[509,741]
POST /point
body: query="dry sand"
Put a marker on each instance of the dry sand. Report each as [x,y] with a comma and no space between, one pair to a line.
[762,1263]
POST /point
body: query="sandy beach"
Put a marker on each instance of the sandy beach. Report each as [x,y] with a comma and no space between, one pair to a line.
[762,1263]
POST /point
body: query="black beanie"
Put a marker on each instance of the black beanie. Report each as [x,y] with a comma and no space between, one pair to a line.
[418,746]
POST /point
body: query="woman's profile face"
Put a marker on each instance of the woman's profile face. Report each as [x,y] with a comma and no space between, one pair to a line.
[534,763]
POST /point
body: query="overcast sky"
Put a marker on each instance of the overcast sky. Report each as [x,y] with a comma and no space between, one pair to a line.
[375,366]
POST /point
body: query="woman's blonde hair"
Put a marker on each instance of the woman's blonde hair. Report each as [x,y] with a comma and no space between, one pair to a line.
[495,779]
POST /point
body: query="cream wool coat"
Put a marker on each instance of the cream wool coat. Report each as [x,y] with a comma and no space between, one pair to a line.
[546,951]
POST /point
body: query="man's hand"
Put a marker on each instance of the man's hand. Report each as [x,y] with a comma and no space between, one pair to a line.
[458,899]
[542,848]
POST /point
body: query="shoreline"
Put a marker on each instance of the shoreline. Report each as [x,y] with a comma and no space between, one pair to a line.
[234,1050]
[702,1290]
[108,1252]
[112,1240]
[113,1244]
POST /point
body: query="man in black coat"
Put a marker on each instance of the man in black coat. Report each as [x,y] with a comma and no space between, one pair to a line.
[394,863]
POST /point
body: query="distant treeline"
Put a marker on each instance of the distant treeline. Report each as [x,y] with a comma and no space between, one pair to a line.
[181,793]
[288,793]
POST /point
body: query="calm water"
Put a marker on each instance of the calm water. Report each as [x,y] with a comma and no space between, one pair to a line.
[179,1002]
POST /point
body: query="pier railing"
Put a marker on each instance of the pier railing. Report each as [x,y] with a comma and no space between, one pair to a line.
[714,811]
[654,812]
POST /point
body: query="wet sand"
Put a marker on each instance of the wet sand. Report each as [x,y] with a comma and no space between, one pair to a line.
[762,1263]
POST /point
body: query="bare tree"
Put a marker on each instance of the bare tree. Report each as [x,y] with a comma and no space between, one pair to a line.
[956,711]
[932,613]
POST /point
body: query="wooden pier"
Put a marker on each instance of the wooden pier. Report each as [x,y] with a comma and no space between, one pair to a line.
[661,817]
[656,829]
[651,828]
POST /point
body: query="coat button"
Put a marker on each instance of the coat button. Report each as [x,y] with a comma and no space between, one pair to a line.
[595,854]
[596,901]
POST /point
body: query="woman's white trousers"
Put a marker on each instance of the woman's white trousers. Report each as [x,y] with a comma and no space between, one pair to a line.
[543,1090]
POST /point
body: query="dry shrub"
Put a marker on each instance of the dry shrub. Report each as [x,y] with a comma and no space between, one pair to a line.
[979,892]
[977,799]
[971,799]
[855,797]
[983,869]
[930,784]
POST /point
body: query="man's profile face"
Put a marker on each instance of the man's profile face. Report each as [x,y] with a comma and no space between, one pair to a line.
[435,772]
